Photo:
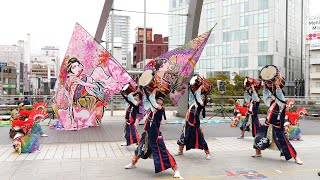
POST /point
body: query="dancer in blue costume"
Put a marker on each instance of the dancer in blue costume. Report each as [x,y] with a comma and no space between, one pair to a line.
[151,142]
[273,128]
[193,133]
[130,130]
[252,97]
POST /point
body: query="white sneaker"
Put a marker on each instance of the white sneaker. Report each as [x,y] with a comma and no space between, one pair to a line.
[177,174]
[130,166]
[44,135]
[123,144]
[208,157]
[298,161]
[179,153]
[256,155]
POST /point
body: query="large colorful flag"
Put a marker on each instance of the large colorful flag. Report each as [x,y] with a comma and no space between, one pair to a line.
[88,76]
[177,65]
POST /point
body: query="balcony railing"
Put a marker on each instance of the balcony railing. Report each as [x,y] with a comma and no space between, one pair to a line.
[315,75]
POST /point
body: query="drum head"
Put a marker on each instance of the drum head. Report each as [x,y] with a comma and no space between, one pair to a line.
[193,80]
[268,73]
[145,78]
[125,87]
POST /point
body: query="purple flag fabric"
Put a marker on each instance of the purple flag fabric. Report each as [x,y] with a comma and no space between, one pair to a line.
[177,65]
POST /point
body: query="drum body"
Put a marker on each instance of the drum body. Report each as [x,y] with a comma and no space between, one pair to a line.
[206,87]
[149,82]
[127,89]
[196,81]
[269,74]
[248,82]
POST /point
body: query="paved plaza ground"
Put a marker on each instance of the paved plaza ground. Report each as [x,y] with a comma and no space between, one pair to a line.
[95,153]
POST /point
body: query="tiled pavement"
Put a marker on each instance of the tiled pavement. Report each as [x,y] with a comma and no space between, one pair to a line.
[105,160]
[90,154]
[113,150]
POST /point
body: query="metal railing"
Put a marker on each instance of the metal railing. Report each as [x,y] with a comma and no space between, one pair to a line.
[7,102]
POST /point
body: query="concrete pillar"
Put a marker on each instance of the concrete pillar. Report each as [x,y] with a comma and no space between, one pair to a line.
[103,20]
[192,27]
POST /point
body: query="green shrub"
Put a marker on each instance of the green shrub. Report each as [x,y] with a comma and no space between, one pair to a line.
[231,101]
[311,102]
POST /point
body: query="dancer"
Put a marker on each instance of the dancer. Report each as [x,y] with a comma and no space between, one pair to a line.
[272,132]
[251,96]
[23,140]
[193,137]
[292,129]
[130,130]
[239,113]
[25,114]
[152,141]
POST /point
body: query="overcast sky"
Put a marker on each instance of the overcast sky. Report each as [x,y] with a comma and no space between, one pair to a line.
[51,22]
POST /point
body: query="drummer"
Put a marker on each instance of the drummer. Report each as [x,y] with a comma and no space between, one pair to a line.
[152,139]
[130,130]
[274,124]
[251,122]
[193,137]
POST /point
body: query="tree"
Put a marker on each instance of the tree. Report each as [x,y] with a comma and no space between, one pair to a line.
[231,90]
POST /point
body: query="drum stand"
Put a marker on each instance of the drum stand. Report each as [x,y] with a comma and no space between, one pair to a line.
[221,110]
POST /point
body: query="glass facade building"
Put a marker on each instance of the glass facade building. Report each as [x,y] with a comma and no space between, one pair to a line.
[249,35]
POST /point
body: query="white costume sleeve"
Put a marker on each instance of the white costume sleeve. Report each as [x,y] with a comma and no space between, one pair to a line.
[131,99]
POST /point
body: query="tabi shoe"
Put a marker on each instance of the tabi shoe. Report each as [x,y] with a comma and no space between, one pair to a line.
[298,161]
[130,166]
[241,137]
[44,135]
[208,157]
[177,174]
[256,155]
[179,153]
[124,144]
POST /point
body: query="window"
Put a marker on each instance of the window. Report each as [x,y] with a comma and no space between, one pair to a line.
[244,21]
[317,69]
[210,13]
[211,39]
[317,84]
[226,10]
[244,6]
[174,4]
[226,23]
[264,60]
[243,61]
[243,47]
[226,36]
[263,31]
[263,4]
[263,18]
[235,62]
[222,50]
[277,49]
[243,34]
[263,46]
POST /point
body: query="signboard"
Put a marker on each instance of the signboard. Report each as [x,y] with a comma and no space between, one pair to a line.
[9,86]
[313,32]
[3,64]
